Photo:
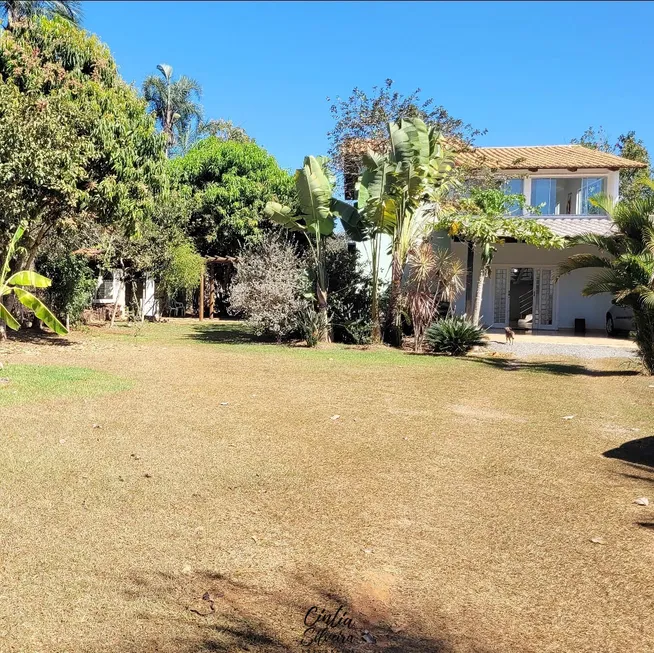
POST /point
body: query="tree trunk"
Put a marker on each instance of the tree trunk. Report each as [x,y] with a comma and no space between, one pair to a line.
[478,296]
[3,330]
[393,319]
[644,321]
[323,317]
[374,307]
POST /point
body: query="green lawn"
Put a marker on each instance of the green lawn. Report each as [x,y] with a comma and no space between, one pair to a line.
[23,383]
[445,504]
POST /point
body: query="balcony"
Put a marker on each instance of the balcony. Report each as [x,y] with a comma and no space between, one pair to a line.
[566,195]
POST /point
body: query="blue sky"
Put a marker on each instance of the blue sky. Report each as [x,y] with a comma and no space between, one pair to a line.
[530,73]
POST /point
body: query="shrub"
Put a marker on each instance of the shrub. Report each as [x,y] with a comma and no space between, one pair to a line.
[312,324]
[268,286]
[349,294]
[454,335]
[73,284]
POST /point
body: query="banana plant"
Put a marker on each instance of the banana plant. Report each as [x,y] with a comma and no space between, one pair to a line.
[393,192]
[14,284]
[377,209]
[317,219]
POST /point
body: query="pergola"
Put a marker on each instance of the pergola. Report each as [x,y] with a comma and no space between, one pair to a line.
[213,264]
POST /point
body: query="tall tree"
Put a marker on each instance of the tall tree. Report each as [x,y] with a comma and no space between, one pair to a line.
[76,143]
[633,181]
[625,265]
[361,124]
[229,183]
[16,11]
[174,103]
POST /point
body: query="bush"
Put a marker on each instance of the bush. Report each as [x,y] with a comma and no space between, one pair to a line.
[455,336]
[349,293]
[73,285]
[268,287]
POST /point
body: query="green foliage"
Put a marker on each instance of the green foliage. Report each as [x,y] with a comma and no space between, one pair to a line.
[12,284]
[73,284]
[229,183]
[316,219]
[625,265]
[455,336]
[363,118]
[182,269]
[173,103]
[394,191]
[480,219]
[77,146]
[17,11]
[349,292]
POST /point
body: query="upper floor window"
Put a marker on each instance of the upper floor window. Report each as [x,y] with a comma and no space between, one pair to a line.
[567,195]
[514,187]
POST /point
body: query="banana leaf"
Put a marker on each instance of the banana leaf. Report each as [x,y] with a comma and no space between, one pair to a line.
[282,215]
[28,278]
[9,319]
[314,192]
[41,311]
[350,219]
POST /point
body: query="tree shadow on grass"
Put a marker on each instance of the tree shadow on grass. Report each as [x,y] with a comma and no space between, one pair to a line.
[37,337]
[211,612]
[636,452]
[560,368]
[229,334]
[639,455]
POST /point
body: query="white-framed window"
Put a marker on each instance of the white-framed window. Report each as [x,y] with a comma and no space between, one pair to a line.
[566,195]
[106,287]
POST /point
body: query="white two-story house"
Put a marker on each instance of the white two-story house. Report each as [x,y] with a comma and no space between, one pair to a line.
[523,290]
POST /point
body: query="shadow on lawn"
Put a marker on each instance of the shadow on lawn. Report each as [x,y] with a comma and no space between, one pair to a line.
[636,452]
[548,367]
[228,334]
[37,337]
[216,613]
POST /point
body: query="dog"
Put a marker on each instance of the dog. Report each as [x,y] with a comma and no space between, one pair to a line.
[510,335]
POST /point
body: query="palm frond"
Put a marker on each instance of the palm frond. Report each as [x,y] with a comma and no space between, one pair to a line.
[582,261]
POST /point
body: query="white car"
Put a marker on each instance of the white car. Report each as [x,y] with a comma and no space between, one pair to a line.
[619,319]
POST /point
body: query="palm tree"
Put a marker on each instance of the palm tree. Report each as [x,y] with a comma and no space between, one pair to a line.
[18,10]
[173,102]
[626,265]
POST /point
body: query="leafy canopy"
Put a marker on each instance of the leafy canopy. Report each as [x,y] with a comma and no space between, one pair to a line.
[77,145]
[229,183]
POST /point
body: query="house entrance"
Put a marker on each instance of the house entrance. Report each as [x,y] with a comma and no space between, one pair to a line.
[523,297]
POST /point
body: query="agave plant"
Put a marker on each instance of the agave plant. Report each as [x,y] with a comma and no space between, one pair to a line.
[14,284]
[455,335]
[317,220]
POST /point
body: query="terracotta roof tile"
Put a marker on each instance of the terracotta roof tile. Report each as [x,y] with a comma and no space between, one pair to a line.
[543,157]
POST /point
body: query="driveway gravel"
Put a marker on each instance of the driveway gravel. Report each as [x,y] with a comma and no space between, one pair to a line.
[526,349]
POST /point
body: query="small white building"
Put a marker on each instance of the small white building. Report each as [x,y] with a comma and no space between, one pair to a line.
[522,290]
[111,288]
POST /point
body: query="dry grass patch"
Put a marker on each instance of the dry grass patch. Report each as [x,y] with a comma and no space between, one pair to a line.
[221,474]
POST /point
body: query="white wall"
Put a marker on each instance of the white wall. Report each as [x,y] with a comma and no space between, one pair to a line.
[569,302]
